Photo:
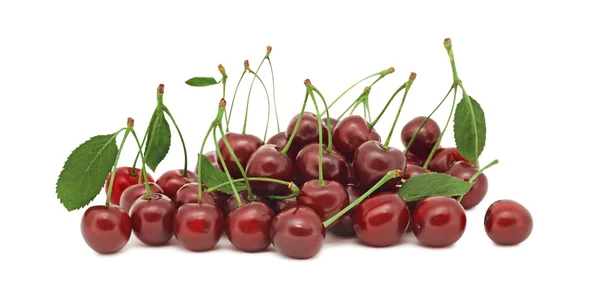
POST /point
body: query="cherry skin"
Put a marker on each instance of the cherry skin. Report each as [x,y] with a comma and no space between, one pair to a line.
[188,193]
[221,199]
[280,205]
[152,219]
[344,226]
[248,226]
[438,221]
[198,227]
[334,123]
[297,232]
[413,159]
[134,192]
[232,203]
[106,229]
[281,140]
[243,145]
[211,156]
[425,139]
[308,131]
[465,171]
[443,159]
[412,171]
[327,200]
[268,162]
[381,220]
[123,179]
[172,180]
[508,222]
[335,167]
[372,162]
[350,133]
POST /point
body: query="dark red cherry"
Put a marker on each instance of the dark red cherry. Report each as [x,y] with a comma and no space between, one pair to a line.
[334,123]
[188,193]
[243,145]
[221,199]
[438,221]
[413,159]
[425,139]
[344,226]
[350,133]
[152,219]
[123,179]
[326,200]
[281,140]
[280,205]
[268,162]
[298,232]
[444,159]
[134,192]
[412,171]
[381,220]
[465,171]
[198,227]
[351,178]
[308,131]
[508,222]
[232,203]
[335,167]
[248,226]
[172,180]
[106,229]
[211,156]
[372,162]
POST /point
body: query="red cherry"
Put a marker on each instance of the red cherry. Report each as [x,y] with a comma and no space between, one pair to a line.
[243,145]
[443,159]
[308,131]
[335,167]
[508,222]
[247,227]
[188,193]
[268,162]
[210,155]
[438,221]
[232,203]
[281,140]
[198,227]
[327,200]
[280,205]
[334,123]
[381,220]
[134,192]
[372,162]
[220,199]
[344,226]
[465,171]
[106,229]
[297,232]
[123,179]
[413,159]
[350,133]
[152,219]
[172,180]
[425,139]
[412,171]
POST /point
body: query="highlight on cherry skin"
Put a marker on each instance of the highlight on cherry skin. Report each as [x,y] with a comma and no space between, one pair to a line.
[124,177]
[507,222]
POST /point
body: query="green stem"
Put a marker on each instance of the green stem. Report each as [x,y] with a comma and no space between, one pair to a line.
[112,177]
[408,85]
[479,172]
[329,132]
[222,160]
[367,107]
[268,103]
[233,100]
[274,104]
[212,127]
[312,96]
[133,172]
[291,138]
[372,125]
[253,179]
[251,196]
[354,105]
[437,143]
[144,171]
[185,157]
[448,46]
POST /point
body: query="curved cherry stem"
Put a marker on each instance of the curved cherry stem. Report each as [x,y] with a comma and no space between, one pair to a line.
[133,172]
[112,177]
[372,125]
[144,171]
[185,157]
[222,160]
[251,196]
[309,87]
[479,172]
[364,95]
[329,131]
[224,78]
[291,138]
[233,99]
[274,103]
[210,129]
[252,179]
[248,104]
[437,143]
[408,85]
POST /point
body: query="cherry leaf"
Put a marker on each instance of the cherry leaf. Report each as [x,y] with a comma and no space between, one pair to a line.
[201,81]
[212,177]
[158,141]
[432,184]
[469,129]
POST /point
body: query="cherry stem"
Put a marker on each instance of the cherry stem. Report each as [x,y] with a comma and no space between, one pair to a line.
[133,172]
[291,138]
[372,125]
[479,172]
[408,85]
[437,143]
[253,179]
[222,160]
[248,104]
[309,86]
[233,100]
[251,196]
[224,78]
[144,171]
[390,175]
[358,100]
[112,177]
[210,129]
[274,103]
[329,131]
[185,157]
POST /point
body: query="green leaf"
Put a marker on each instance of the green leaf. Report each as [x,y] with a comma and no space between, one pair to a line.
[85,171]
[201,81]
[469,129]
[432,184]
[159,139]
[212,177]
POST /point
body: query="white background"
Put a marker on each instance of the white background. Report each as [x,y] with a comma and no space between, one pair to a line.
[70,70]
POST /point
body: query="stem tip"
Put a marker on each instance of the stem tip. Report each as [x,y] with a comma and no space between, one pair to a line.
[222,104]
[412,76]
[397,173]
[367,89]
[391,69]
[307,82]
[269,49]
[447,43]
[130,122]
[246,64]
[221,68]
[161,89]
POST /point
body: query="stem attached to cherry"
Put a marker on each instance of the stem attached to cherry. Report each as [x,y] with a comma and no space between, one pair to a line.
[361,98]
[479,172]
[222,108]
[246,65]
[112,177]
[437,143]
[222,160]
[268,56]
[185,157]
[309,87]
[297,126]
[291,185]
[409,83]
[329,130]
[251,196]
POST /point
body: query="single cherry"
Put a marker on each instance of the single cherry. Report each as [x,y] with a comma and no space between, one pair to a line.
[381,220]
[280,205]
[438,221]
[232,203]
[465,171]
[443,159]
[350,133]
[426,137]
[248,226]
[124,178]
[211,156]
[198,227]
[134,192]
[345,224]
[372,162]
[172,180]
[152,219]
[308,131]
[508,222]
[335,167]
[268,162]
[243,145]
[188,193]
[106,229]
[326,200]
[297,232]
[281,140]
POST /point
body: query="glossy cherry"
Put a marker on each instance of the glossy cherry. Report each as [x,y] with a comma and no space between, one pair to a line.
[372,162]
[123,179]
[335,167]
[438,221]
[243,145]
[281,140]
[308,131]
[465,171]
[248,227]
[280,205]
[268,162]
[134,192]
[381,220]
[188,193]
[232,203]
[327,200]
[152,219]
[507,222]
[172,180]
[350,133]
[106,229]
[298,232]
[443,159]
[198,227]
[425,139]
[344,227]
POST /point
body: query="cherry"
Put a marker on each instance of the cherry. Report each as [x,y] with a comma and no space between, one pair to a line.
[243,145]
[438,221]
[198,227]
[247,227]
[381,220]
[211,156]
[508,222]
[465,171]
[188,193]
[345,224]
[413,159]
[152,219]
[106,229]
[335,167]
[443,159]
[425,139]
[372,161]
[232,203]
[172,180]
[123,179]
[412,171]
[350,133]
[334,123]
[268,162]
[280,205]
[134,192]
[297,232]
[326,200]
[281,140]
[308,131]
[221,199]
